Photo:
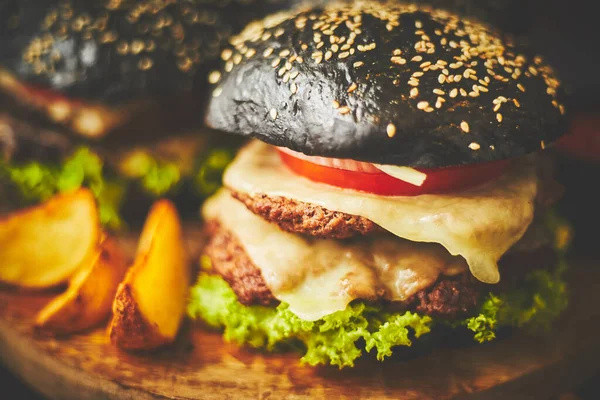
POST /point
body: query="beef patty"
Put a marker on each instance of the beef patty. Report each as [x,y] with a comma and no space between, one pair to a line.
[305,218]
[310,219]
[448,297]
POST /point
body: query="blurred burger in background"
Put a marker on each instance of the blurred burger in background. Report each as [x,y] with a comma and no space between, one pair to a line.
[106,94]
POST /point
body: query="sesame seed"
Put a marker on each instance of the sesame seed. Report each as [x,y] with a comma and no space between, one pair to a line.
[336,104]
[429,109]
[273,113]
[397,52]
[441,78]
[497,107]
[516,102]
[398,60]
[413,82]
[293,88]
[275,62]
[343,54]
[250,53]
[473,94]
[521,87]
[145,64]
[422,105]
[335,48]
[391,130]
[268,51]
[328,54]
[499,117]
[542,145]
[281,71]
[492,147]
[561,109]
[217,92]
[438,103]
[457,78]
[464,126]
[358,64]
[214,77]
[286,77]
[463,92]
[320,44]
[418,24]
[416,58]
[454,92]
[474,146]
[425,64]
[226,54]
[352,88]
[284,53]
[344,110]
[482,88]
[417,74]
[439,91]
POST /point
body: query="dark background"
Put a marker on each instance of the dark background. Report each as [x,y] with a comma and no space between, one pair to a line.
[566,32]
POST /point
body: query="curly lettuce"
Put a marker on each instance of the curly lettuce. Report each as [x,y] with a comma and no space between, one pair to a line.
[340,338]
[337,339]
[541,298]
[37,182]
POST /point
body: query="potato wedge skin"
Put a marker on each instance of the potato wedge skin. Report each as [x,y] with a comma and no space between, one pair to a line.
[42,246]
[88,300]
[129,329]
[150,304]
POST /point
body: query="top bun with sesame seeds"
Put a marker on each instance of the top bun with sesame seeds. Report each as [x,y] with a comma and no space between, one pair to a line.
[113,53]
[388,83]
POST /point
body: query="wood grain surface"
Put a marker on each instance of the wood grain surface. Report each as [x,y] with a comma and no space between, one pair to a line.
[201,366]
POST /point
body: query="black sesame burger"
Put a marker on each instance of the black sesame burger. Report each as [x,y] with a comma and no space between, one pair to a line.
[397,188]
[115,75]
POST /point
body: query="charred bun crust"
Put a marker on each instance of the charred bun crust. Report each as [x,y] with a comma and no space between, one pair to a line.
[386,83]
[115,51]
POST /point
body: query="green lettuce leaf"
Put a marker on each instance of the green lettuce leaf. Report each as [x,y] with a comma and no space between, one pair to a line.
[155,176]
[336,339]
[541,298]
[37,182]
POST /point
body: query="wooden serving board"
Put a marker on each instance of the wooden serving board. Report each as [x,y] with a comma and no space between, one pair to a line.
[201,366]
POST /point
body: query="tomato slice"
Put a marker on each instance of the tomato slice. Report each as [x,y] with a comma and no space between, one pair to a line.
[357,175]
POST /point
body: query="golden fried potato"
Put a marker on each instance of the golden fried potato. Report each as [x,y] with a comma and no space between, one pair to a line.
[43,246]
[150,303]
[88,300]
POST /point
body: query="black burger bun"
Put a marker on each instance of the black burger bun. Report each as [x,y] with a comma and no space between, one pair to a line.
[387,83]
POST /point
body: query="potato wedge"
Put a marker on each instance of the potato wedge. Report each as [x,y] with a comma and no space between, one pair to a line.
[88,300]
[150,303]
[42,246]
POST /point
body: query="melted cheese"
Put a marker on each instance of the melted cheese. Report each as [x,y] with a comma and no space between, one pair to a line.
[480,224]
[317,277]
